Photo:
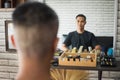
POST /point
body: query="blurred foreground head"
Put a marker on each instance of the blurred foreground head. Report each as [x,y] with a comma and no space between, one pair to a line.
[36,26]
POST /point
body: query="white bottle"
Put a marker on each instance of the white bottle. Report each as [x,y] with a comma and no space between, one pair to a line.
[7,4]
[80,49]
[89,48]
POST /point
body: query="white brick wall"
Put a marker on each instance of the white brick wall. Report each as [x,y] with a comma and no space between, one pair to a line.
[5,14]
[99,13]
[8,61]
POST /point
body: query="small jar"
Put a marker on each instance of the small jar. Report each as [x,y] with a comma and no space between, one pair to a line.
[7,4]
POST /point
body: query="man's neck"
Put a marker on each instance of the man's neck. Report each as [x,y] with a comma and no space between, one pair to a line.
[32,69]
[80,31]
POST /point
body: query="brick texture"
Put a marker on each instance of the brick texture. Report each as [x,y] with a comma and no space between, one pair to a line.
[99,21]
[99,13]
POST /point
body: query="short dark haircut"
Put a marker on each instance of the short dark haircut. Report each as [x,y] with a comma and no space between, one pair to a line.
[36,26]
[32,13]
[81,15]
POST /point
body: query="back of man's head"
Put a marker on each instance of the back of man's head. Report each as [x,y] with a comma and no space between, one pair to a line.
[36,27]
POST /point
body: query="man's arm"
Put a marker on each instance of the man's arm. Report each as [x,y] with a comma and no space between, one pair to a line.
[64,47]
[67,42]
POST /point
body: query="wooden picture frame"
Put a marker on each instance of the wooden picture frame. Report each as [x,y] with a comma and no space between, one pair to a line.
[8,34]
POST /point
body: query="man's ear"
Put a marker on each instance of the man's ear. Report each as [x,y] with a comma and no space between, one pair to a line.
[13,40]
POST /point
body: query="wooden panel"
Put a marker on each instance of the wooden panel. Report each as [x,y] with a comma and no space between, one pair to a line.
[14,3]
[0,4]
[11,3]
[91,62]
[20,1]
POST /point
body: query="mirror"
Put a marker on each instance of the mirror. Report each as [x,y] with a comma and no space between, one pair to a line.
[100,16]
[9,36]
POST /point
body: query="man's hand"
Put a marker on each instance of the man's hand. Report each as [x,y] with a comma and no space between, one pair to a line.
[98,47]
[64,48]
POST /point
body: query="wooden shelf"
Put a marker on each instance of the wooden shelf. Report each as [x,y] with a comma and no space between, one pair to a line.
[6,9]
[10,3]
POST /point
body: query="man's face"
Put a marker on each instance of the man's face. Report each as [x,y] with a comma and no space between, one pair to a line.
[80,23]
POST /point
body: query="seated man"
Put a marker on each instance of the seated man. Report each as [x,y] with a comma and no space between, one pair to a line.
[77,38]
[80,37]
